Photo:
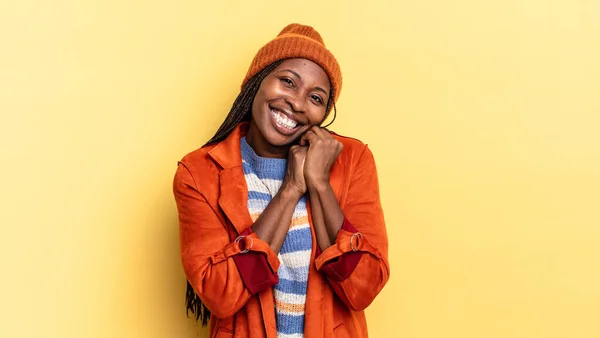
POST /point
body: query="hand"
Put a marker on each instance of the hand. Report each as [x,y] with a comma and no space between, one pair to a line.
[294,176]
[323,151]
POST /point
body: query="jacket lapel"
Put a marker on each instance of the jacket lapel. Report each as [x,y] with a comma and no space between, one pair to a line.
[233,192]
[233,198]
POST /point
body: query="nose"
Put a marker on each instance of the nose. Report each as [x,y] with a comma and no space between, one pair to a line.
[296,102]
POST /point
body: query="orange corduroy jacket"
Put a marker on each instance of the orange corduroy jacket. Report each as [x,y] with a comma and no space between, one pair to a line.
[236,284]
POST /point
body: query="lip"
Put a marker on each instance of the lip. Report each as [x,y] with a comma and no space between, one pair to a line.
[286,112]
[281,129]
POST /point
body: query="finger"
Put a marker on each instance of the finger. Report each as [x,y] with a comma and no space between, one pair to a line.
[297,151]
[305,137]
[325,134]
[303,150]
[302,140]
[317,130]
[308,138]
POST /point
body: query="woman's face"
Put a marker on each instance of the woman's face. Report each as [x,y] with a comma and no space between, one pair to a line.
[290,100]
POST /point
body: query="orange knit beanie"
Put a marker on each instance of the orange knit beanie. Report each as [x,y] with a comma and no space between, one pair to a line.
[298,41]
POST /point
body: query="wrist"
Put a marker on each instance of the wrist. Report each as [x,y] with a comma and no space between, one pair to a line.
[318,185]
[289,192]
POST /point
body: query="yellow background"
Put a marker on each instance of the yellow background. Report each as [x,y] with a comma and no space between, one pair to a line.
[483,117]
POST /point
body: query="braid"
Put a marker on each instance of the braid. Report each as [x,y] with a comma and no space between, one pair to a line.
[330,102]
[240,111]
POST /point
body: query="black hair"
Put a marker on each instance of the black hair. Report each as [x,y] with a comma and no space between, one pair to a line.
[240,111]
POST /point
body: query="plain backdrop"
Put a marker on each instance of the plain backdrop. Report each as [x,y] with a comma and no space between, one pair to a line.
[483,116]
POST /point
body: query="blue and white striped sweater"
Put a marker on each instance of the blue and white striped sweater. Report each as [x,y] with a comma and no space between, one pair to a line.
[263,178]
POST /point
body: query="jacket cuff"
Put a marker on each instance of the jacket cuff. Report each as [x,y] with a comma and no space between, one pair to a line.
[250,256]
[335,263]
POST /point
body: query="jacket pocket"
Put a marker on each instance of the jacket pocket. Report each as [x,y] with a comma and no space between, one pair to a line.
[223,333]
[340,331]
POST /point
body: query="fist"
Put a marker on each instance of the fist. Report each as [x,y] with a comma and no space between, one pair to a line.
[294,176]
[323,151]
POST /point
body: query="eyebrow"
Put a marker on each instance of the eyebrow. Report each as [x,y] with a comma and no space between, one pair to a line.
[300,78]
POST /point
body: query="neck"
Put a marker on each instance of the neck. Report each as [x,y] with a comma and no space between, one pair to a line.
[263,148]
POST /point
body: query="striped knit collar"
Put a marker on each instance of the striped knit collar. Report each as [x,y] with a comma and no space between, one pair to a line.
[263,166]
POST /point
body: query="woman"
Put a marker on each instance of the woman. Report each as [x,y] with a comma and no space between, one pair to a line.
[281,228]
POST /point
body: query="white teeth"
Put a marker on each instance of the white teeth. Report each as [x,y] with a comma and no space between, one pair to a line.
[284,120]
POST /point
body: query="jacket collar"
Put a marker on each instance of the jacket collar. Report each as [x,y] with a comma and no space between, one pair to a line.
[227,153]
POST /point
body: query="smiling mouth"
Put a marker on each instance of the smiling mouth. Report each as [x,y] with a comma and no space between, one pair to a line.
[283,121]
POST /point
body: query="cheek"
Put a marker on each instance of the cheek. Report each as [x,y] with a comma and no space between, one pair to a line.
[257,103]
[316,116]
[270,87]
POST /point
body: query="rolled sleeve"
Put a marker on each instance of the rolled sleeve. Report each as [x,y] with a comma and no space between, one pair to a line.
[340,260]
[254,267]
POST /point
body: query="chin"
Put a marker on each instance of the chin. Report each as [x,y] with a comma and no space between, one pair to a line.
[276,139]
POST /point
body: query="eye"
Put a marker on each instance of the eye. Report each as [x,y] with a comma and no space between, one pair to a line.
[317,99]
[287,81]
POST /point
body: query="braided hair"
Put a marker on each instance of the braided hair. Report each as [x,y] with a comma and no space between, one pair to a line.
[241,111]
